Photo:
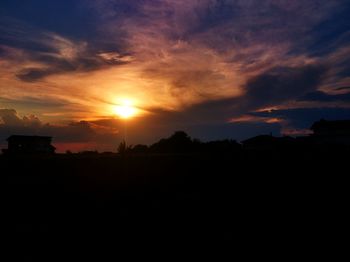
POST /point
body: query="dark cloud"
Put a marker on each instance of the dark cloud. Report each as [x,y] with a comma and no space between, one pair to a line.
[58,66]
[9,117]
[282,84]
[55,53]
[64,16]
[331,33]
[320,96]
[213,112]
[343,88]
[33,74]
[304,117]
[240,23]
[344,68]
[3,52]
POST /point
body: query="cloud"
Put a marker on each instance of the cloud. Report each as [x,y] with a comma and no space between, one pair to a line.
[47,108]
[10,117]
[51,64]
[324,97]
[302,118]
[283,84]
[343,88]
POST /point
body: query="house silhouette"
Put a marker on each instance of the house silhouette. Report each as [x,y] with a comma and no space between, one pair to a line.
[29,145]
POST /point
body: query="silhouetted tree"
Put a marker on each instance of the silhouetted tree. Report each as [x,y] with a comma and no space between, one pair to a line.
[179,142]
[139,149]
[122,147]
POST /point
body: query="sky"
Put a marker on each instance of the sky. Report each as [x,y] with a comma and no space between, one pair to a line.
[213,68]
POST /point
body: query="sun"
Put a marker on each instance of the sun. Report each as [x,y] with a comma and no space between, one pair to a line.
[125,109]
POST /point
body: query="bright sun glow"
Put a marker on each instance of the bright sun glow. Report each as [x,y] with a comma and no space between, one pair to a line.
[125,109]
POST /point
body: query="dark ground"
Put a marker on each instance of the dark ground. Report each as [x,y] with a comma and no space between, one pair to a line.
[285,201]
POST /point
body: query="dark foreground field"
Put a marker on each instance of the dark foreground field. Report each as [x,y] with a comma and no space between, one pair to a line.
[91,206]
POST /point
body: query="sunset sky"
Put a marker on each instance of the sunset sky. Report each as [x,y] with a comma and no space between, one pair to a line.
[213,68]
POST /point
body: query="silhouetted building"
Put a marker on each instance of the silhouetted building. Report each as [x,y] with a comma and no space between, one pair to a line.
[29,145]
[331,132]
